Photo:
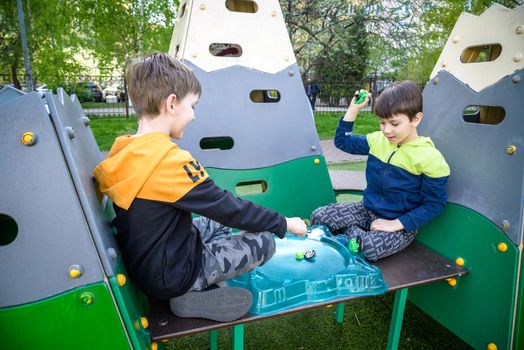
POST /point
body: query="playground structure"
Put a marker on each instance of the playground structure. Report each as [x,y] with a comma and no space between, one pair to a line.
[254,129]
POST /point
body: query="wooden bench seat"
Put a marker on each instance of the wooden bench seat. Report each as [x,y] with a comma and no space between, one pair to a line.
[416,265]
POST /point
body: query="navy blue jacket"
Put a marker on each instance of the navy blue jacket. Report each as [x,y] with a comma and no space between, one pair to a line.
[405,182]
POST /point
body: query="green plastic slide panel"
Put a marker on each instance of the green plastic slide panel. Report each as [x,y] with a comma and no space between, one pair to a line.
[293,188]
[131,302]
[519,331]
[479,309]
[133,305]
[83,318]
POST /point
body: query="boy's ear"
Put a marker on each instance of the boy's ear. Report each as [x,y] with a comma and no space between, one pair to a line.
[170,101]
[417,119]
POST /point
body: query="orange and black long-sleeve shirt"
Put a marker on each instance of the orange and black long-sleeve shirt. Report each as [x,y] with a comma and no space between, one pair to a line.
[155,186]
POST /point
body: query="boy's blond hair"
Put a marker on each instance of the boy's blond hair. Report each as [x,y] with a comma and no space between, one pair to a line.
[151,79]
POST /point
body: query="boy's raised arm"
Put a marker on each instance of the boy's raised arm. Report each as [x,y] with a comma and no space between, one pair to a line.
[344,138]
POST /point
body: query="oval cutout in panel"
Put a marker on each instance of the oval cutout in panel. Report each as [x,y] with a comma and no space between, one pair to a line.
[8,229]
[481,53]
[483,114]
[264,96]
[225,50]
[251,187]
[245,6]
[217,142]
[182,11]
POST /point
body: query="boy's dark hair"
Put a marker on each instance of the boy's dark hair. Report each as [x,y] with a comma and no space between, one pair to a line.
[400,97]
[152,78]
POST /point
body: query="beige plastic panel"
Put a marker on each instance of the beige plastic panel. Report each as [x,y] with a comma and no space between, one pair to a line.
[497,25]
[261,35]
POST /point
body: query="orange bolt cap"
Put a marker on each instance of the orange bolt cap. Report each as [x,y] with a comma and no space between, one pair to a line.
[503,247]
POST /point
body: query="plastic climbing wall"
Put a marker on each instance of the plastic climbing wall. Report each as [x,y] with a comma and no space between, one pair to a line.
[473,111]
[254,124]
[59,260]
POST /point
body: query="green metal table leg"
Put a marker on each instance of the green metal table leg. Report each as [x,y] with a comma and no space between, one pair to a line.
[213,340]
[238,337]
[339,313]
[396,318]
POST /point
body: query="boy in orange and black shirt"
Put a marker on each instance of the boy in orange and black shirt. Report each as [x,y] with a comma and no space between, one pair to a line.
[156,186]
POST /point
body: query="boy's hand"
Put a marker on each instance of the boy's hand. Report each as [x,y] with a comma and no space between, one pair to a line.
[387,225]
[354,108]
[296,226]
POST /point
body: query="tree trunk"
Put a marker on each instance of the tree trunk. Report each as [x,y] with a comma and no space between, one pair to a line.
[14,77]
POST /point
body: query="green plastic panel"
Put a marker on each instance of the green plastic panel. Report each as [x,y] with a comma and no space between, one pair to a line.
[294,188]
[131,302]
[479,308]
[133,305]
[64,322]
[519,327]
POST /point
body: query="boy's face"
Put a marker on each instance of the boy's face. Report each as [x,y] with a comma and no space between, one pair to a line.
[183,114]
[399,129]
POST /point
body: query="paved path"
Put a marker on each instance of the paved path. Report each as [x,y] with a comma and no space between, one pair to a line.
[343,179]
[334,155]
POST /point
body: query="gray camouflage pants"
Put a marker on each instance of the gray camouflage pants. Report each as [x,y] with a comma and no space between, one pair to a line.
[353,220]
[225,255]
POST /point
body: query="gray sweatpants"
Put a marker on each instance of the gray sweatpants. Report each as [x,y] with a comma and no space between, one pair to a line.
[353,220]
[226,256]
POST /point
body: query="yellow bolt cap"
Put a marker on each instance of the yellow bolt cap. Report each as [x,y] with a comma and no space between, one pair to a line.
[452,282]
[74,273]
[121,279]
[491,346]
[316,161]
[330,305]
[154,346]
[144,322]
[459,261]
[29,138]
[502,247]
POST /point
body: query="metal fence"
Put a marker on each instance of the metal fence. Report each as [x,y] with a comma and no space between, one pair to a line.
[106,95]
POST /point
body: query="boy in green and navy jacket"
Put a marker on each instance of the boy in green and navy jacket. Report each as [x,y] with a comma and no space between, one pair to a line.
[406,176]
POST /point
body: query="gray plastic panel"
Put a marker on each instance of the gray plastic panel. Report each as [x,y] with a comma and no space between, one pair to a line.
[264,134]
[82,156]
[483,176]
[7,93]
[37,192]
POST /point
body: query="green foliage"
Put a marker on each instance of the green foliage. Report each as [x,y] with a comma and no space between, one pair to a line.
[437,22]
[63,33]
[345,60]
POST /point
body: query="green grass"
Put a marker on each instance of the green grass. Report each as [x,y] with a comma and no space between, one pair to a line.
[107,129]
[358,166]
[366,327]
[327,122]
[102,105]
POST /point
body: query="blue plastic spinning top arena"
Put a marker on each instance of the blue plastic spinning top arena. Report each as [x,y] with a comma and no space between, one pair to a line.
[289,279]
